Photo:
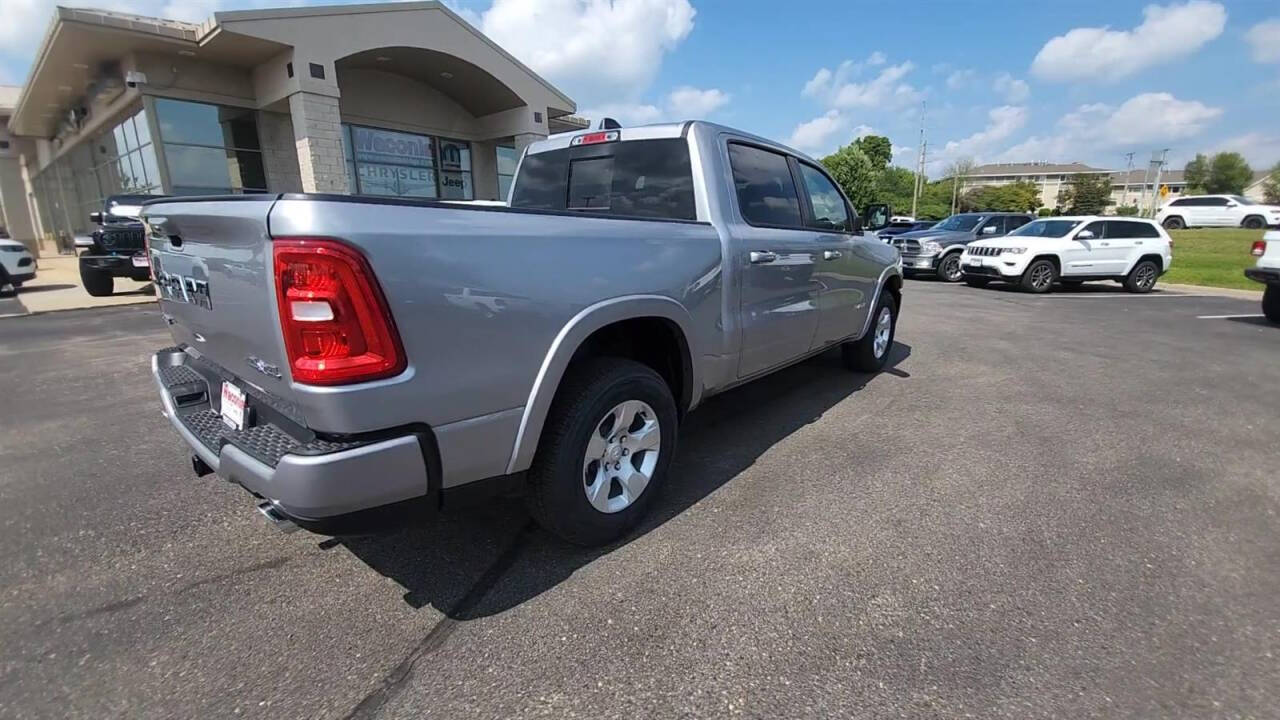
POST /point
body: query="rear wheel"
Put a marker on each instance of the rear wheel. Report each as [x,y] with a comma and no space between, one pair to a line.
[1271,303]
[1254,222]
[604,451]
[870,352]
[977,282]
[96,282]
[949,268]
[1173,223]
[1039,277]
[1142,278]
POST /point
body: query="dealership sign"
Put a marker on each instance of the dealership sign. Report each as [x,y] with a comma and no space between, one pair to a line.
[388,146]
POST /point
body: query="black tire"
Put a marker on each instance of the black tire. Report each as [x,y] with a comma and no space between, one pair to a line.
[1039,277]
[1173,223]
[949,268]
[96,282]
[860,355]
[1254,222]
[1142,278]
[978,282]
[1271,303]
[557,496]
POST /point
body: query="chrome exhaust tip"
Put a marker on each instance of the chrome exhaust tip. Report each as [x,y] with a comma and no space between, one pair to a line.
[276,517]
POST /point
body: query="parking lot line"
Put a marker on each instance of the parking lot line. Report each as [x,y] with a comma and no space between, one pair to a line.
[1228,317]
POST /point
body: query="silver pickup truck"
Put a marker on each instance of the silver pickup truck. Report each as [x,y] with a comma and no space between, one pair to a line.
[347,359]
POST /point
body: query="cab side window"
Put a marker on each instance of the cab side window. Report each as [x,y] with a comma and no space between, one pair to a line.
[766,191]
[1099,229]
[827,210]
[1013,222]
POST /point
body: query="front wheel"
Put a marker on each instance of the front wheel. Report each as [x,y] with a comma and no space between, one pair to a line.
[949,268]
[870,352]
[1039,277]
[1271,303]
[97,282]
[604,451]
[1142,278]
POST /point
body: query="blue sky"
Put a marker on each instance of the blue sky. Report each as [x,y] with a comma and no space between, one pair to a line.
[1003,81]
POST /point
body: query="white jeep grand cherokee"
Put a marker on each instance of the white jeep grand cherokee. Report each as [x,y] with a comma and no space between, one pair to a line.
[1071,250]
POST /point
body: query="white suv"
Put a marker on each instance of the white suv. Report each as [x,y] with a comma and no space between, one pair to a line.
[1131,251]
[1217,211]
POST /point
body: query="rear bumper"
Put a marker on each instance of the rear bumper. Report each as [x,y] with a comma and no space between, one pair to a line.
[1268,276]
[309,478]
[117,265]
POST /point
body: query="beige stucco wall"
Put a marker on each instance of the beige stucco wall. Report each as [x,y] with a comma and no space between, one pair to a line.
[383,99]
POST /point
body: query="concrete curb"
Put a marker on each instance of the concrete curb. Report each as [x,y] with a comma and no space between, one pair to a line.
[1210,290]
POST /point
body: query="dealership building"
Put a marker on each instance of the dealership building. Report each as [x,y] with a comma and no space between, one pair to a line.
[394,99]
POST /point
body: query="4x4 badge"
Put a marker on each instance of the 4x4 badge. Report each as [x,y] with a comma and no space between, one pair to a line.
[264,367]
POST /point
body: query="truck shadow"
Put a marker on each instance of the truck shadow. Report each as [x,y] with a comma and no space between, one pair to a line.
[482,560]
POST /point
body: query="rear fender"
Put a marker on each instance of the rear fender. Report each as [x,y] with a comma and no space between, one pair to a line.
[567,342]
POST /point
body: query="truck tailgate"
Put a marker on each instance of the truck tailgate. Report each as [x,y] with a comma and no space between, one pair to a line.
[211,259]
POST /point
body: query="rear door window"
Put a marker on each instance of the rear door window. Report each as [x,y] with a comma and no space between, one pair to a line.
[827,207]
[1130,229]
[630,178]
[766,191]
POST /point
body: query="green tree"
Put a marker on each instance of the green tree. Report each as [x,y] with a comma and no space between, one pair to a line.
[1086,194]
[1228,173]
[1271,187]
[1196,174]
[877,148]
[856,175]
[893,186]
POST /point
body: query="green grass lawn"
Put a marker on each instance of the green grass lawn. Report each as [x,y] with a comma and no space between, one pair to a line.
[1213,256]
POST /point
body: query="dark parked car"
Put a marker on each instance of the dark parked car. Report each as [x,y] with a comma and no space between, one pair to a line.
[116,248]
[937,250]
[894,229]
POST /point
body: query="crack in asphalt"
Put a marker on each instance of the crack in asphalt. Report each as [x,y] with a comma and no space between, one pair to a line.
[394,683]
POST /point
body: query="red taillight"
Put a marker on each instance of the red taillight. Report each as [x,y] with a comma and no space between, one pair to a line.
[337,327]
[1259,248]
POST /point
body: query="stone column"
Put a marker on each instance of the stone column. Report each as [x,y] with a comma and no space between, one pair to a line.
[316,133]
[524,140]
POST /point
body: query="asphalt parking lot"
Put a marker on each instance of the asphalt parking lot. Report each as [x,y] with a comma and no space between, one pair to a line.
[1061,505]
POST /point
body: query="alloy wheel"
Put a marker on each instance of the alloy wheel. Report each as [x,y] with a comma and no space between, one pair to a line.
[1041,276]
[1145,276]
[951,268]
[621,456]
[884,331]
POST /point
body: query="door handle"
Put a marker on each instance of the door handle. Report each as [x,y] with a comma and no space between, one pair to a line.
[1105,244]
[830,254]
[1137,242]
[759,257]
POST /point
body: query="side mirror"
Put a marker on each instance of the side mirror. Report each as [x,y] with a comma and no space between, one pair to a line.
[989,230]
[855,224]
[1230,204]
[877,217]
[1085,235]
[95,217]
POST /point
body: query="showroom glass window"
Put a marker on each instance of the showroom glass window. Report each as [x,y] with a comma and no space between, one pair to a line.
[210,149]
[400,164]
[508,158]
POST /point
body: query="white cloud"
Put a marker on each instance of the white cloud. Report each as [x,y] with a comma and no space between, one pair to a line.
[886,91]
[683,103]
[1264,41]
[1142,122]
[1002,123]
[1015,91]
[960,79]
[1262,150]
[819,133]
[598,52]
[691,103]
[1166,33]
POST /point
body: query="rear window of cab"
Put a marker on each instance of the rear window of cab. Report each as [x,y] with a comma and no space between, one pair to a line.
[631,178]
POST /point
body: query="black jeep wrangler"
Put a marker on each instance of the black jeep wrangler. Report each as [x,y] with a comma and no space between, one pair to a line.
[116,248]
